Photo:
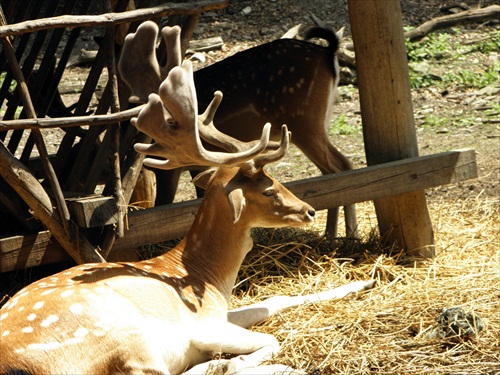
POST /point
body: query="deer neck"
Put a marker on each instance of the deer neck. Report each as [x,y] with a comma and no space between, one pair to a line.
[215,247]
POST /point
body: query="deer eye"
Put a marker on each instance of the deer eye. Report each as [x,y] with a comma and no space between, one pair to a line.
[268,193]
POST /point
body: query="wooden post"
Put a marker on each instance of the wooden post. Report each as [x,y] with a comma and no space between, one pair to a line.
[387,114]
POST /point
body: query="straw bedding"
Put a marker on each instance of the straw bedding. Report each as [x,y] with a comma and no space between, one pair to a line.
[392,328]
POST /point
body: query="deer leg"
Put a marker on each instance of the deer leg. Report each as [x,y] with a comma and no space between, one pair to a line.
[319,149]
[166,185]
[253,347]
[248,316]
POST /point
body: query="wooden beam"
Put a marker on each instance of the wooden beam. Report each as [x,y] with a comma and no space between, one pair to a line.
[387,114]
[93,211]
[172,221]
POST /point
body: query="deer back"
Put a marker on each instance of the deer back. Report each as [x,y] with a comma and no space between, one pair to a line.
[285,81]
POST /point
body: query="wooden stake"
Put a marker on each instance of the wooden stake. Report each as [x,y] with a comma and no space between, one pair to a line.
[387,114]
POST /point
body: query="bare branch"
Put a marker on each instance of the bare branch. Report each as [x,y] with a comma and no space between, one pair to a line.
[68,122]
[473,15]
[71,21]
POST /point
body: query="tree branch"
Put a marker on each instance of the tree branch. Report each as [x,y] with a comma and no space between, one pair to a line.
[72,21]
[473,15]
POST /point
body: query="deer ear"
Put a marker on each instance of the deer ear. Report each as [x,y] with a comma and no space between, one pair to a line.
[340,33]
[202,180]
[237,203]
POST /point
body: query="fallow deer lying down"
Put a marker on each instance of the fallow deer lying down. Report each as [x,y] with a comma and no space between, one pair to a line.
[286,81]
[169,314]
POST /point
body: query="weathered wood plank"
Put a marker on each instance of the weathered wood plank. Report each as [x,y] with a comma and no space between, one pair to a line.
[385,180]
[93,211]
[208,44]
[172,221]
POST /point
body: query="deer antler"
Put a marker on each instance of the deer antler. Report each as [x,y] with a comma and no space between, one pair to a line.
[212,135]
[171,119]
[138,65]
[173,114]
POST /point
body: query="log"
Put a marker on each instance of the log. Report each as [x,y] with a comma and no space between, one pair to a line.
[208,44]
[172,221]
[469,16]
[72,21]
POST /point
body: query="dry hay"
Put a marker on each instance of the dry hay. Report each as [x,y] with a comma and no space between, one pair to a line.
[383,331]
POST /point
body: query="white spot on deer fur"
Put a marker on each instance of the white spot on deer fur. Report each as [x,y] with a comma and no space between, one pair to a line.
[31,317]
[27,329]
[67,293]
[49,320]
[147,267]
[13,302]
[38,305]
[5,333]
[47,292]
[4,315]
[76,309]
[45,346]
[81,332]
[23,294]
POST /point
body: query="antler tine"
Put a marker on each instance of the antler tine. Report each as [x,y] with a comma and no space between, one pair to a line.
[138,65]
[171,119]
[260,161]
[171,36]
[212,135]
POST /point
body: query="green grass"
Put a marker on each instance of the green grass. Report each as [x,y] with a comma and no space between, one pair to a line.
[341,126]
[437,48]
[12,87]
[442,122]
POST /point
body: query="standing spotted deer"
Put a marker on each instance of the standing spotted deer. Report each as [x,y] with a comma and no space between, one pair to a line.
[169,314]
[286,81]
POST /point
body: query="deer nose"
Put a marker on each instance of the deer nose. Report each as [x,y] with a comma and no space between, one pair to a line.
[311,212]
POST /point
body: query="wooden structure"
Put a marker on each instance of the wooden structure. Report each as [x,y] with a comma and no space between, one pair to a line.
[74,220]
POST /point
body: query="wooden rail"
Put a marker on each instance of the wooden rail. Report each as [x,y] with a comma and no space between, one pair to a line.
[112,18]
[172,221]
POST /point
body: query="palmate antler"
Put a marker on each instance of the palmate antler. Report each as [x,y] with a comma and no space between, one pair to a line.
[171,116]
[171,119]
